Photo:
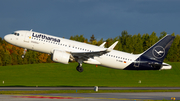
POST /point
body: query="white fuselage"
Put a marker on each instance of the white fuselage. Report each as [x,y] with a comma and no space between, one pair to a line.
[113,59]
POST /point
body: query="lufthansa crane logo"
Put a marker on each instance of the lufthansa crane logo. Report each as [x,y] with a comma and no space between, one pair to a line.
[158,52]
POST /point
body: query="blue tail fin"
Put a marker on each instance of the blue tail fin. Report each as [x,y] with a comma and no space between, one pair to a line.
[152,59]
[159,50]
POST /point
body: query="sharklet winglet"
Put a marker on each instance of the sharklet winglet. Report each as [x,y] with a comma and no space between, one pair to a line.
[112,47]
[102,45]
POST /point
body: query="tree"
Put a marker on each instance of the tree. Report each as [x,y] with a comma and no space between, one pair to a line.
[137,44]
[14,56]
[152,39]
[92,39]
[109,42]
[100,41]
[79,38]
[1,41]
[124,36]
[119,45]
[31,57]
[174,51]
[42,57]
[145,39]
[6,58]
[162,34]
[49,59]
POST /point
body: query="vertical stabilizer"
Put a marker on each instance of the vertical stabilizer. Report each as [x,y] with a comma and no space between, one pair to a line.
[159,50]
[152,58]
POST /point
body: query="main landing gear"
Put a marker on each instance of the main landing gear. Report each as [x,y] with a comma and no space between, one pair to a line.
[79,68]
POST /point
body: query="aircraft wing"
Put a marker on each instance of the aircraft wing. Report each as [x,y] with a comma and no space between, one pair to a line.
[87,55]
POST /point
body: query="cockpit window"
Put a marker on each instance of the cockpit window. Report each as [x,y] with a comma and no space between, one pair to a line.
[17,34]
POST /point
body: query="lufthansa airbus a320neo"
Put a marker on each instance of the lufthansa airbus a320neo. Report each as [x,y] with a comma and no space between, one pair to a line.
[64,50]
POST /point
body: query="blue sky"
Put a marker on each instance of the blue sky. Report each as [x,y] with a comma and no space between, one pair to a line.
[103,18]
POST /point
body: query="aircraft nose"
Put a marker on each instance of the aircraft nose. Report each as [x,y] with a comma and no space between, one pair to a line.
[7,38]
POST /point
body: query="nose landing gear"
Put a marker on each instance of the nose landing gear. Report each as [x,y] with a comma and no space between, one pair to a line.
[24,52]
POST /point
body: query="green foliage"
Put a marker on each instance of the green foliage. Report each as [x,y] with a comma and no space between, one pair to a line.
[79,38]
[92,39]
[11,55]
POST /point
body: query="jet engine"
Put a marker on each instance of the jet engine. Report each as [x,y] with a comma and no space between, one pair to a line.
[60,56]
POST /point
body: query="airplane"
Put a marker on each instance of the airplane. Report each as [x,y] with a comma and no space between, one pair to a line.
[65,50]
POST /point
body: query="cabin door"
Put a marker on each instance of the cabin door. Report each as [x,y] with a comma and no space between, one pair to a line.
[27,36]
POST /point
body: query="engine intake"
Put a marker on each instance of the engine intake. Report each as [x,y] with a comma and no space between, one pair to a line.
[60,56]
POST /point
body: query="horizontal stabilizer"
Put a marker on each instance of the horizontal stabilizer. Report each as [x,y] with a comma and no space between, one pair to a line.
[151,63]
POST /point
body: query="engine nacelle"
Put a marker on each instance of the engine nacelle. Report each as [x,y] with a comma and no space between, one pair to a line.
[60,56]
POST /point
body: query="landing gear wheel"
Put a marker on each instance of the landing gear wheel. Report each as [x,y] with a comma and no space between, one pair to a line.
[22,56]
[79,69]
